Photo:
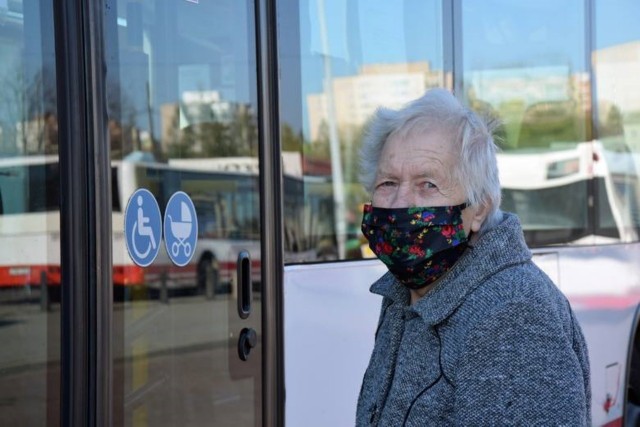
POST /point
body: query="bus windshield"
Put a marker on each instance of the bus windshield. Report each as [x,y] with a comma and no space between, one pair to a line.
[21,190]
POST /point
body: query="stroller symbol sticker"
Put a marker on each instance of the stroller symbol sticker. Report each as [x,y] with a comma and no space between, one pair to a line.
[143,227]
[180,228]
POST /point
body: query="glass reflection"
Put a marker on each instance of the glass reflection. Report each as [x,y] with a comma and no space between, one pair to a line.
[29,218]
[183,117]
[616,65]
[339,62]
[524,64]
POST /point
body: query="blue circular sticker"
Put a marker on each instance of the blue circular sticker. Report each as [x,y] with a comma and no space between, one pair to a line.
[142,227]
[180,228]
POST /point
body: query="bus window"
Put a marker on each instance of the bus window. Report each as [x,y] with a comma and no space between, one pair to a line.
[12,184]
[339,62]
[616,65]
[208,212]
[23,189]
[548,218]
[44,198]
[538,88]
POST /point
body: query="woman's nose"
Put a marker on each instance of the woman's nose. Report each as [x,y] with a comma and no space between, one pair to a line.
[403,198]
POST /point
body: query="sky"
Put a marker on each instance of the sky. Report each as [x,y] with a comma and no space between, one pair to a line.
[496,34]
[494,31]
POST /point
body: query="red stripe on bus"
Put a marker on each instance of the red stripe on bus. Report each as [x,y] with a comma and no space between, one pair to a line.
[123,275]
[23,275]
[615,423]
[231,266]
[128,275]
[171,268]
[616,302]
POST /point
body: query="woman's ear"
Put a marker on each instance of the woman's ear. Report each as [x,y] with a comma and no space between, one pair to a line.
[479,215]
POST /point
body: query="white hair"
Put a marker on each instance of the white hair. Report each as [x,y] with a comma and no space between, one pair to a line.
[439,111]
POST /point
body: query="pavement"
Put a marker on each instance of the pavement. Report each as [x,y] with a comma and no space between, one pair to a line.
[175,363]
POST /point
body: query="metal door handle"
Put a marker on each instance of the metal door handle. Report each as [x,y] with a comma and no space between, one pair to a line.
[244,284]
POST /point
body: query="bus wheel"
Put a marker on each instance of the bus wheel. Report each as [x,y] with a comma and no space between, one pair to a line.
[208,276]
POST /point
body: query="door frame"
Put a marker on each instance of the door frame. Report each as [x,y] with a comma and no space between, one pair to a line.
[85,215]
[271,208]
[85,212]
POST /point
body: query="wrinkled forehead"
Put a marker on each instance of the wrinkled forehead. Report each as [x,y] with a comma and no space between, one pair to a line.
[418,153]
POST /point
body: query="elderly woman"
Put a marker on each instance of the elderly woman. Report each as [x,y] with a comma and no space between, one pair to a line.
[471,332]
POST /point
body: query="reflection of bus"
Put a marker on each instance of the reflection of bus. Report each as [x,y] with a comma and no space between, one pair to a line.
[224,203]
[581,193]
[29,217]
[226,206]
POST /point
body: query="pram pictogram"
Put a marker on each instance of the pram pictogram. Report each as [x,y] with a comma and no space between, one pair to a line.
[181,230]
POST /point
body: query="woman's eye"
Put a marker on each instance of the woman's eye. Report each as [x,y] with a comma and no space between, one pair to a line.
[387,184]
[429,185]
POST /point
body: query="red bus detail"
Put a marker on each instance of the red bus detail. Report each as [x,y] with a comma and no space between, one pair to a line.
[23,275]
[127,275]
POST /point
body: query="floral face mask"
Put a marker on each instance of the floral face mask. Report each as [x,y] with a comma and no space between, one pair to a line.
[417,244]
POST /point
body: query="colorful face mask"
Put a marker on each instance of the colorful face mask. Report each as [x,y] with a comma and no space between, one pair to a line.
[418,245]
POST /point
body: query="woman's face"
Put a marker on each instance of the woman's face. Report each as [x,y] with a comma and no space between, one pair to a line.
[417,170]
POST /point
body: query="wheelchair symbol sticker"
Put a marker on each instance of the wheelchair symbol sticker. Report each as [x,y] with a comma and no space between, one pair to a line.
[143,227]
[180,228]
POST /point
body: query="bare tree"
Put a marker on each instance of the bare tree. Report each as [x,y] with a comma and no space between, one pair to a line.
[29,119]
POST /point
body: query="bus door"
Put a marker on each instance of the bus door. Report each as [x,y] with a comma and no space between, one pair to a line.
[182,89]
[30,248]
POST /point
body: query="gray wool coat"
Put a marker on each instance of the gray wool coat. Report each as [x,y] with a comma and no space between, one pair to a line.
[494,343]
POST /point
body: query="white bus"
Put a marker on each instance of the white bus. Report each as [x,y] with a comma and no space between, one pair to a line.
[29,215]
[225,202]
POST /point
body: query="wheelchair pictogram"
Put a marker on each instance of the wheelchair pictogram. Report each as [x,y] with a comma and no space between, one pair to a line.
[143,227]
[180,228]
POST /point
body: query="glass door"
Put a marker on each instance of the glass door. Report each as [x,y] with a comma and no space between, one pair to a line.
[30,276]
[183,129]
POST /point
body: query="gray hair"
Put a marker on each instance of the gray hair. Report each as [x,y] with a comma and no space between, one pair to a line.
[439,111]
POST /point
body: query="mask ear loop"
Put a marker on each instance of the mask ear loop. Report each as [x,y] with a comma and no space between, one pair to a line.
[469,244]
[463,206]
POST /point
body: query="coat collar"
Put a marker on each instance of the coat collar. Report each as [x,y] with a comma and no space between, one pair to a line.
[495,250]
